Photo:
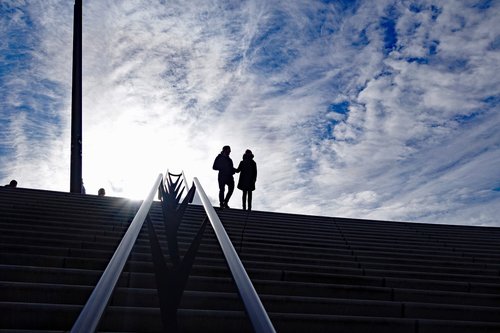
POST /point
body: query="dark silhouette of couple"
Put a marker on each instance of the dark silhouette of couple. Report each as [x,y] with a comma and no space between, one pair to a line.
[248,176]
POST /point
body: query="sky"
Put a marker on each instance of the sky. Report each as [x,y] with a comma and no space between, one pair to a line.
[385,110]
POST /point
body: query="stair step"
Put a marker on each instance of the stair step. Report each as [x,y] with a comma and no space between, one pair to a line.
[206,300]
[314,274]
[131,319]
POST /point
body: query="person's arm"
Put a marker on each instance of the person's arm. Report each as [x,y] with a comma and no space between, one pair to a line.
[239,167]
[255,172]
[231,167]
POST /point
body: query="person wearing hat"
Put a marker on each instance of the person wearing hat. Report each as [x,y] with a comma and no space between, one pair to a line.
[248,177]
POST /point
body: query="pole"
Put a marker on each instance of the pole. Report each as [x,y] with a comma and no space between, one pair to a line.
[76,103]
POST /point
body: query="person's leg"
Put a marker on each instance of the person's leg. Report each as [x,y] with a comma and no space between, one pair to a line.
[244,200]
[221,193]
[230,189]
[249,200]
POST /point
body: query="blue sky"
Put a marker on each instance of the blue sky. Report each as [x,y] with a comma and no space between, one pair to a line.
[368,109]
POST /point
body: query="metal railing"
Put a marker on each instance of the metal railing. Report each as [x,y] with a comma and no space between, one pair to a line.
[171,281]
[185,181]
[89,318]
[254,308]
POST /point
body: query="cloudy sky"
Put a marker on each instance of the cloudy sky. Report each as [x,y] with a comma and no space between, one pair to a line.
[368,109]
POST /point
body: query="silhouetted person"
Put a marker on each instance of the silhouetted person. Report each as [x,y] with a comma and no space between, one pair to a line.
[101,192]
[13,184]
[224,165]
[248,177]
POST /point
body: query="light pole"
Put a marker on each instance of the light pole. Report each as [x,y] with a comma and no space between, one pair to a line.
[76,103]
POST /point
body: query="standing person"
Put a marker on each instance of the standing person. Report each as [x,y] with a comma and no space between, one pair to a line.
[248,177]
[224,164]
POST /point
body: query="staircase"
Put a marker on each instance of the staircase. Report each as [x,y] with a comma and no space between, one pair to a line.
[313,274]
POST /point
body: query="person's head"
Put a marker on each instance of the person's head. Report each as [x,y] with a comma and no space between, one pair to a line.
[101,192]
[248,154]
[226,150]
[13,183]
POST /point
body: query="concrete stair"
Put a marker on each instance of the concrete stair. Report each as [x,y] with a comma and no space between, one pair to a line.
[314,274]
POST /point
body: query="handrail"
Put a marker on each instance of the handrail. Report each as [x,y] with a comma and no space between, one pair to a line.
[255,310]
[185,181]
[96,304]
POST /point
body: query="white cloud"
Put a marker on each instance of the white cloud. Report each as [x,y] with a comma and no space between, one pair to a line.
[167,85]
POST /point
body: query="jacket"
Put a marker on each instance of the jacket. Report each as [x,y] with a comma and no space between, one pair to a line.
[224,164]
[248,173]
